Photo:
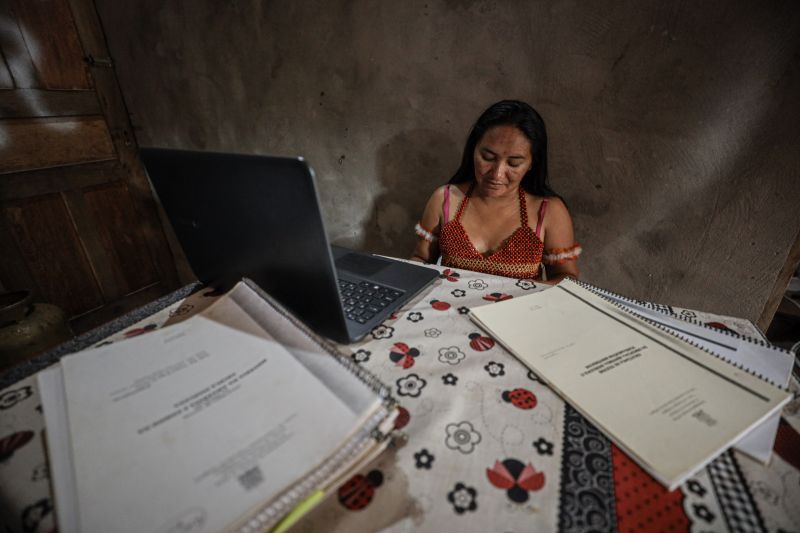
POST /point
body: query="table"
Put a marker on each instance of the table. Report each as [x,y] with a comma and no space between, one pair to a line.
[486,446]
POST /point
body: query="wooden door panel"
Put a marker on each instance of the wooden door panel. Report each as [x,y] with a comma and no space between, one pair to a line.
[102,263]
[113,105]
[14,272]
[58,179]
[120,235]
[15,52]
[32,143]
[25,103]
[6,82]
[78,222]
[43,231]
[50,37]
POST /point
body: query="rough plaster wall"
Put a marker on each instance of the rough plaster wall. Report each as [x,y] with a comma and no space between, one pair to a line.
[673,125]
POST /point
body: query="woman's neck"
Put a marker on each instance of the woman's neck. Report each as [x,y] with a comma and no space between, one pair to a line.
[507,199]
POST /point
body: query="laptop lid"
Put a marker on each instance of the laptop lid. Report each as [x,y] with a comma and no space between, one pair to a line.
[255,216]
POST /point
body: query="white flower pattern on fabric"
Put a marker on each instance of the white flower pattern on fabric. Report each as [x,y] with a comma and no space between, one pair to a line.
[411,385]
[382,332]
[495,369]
[451,355]
[432,333]
[10,398]
[526,284]
[463,498]
[477,284]
[414,316]
[361,355]
[462,437]
[450,379]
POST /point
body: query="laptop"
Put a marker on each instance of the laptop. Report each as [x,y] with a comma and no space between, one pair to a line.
[259,217]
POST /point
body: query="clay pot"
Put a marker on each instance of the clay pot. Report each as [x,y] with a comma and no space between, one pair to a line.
[27,329]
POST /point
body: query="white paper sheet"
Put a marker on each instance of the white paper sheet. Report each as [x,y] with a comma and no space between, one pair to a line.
[191,426]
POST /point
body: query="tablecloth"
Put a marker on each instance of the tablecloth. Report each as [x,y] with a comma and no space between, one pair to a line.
[484,446]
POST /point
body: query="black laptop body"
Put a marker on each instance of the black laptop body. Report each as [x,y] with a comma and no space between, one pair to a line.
[259,217]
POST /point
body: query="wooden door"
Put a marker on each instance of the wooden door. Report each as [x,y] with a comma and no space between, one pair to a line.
[78,223]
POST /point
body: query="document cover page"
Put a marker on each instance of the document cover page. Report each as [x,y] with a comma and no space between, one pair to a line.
[672,406]
[191,426]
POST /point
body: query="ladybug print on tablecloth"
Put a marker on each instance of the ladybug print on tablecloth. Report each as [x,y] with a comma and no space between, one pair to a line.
[480,343]
[497,297]
[140,331]
[440,305]
[13,443]
[516,478]
[403,417]
[359,490]
[720,325]
[402,355]
[520,398]
[450,275]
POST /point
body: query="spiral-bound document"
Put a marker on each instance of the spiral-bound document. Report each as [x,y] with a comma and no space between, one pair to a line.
[670,405]
[226,421]
[771,363]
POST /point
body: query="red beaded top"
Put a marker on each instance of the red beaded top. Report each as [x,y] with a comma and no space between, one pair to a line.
[520,256]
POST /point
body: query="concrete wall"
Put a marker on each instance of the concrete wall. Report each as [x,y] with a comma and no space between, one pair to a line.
[673,126]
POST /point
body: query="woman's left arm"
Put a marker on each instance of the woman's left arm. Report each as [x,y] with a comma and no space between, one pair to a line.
[560,249]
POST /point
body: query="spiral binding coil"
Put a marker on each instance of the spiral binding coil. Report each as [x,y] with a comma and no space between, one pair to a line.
[270,514]
[603,292]
[364,375]
[656,307]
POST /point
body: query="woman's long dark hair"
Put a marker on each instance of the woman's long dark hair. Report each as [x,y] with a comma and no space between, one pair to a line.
[525,119]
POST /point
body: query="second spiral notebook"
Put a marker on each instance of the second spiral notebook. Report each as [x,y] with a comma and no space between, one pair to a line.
[671,406]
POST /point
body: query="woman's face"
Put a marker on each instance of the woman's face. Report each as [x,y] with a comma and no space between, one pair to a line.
[502,158]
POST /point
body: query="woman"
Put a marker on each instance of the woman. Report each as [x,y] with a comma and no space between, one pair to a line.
[498,214]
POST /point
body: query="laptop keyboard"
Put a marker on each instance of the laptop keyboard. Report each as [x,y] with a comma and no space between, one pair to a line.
[363,300]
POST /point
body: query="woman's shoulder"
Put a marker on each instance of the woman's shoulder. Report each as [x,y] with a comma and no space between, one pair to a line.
[460,189]
[550,204]
[551,211]
[556,205]
[445,200]
[456,191]
[434,209]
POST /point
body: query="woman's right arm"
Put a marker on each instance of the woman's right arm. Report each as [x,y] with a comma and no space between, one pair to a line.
[428,227]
